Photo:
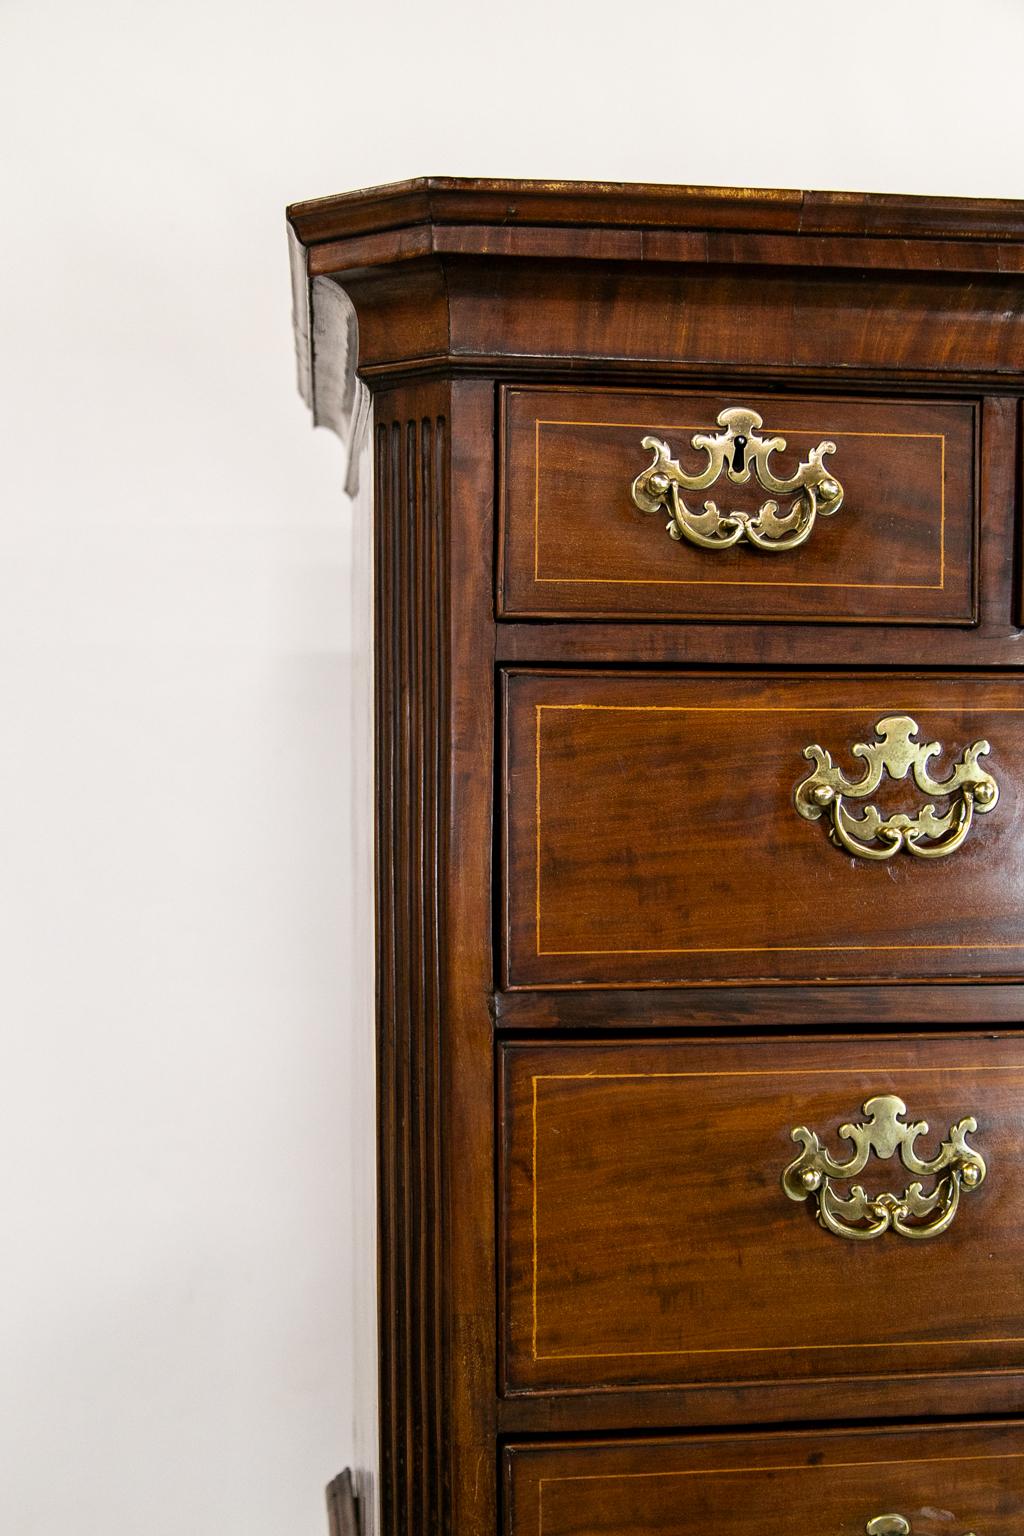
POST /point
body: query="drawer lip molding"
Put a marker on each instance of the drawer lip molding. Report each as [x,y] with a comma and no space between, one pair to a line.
[577,539]
[635,1176]
[812,1481]
[609,1010]
[651,838]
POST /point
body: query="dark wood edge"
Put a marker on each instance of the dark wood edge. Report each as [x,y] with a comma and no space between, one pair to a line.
[751,1009]
[552,369]
[653,206]
[832,1400]
[794,643]
[468,1108]
[433,471]
[410,454]
[827,389]
[680,249]
[342,1506]
[1018,501]
[503,396]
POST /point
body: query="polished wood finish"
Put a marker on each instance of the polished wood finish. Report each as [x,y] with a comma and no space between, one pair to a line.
[900,549]
[652,836]
[432,201]
[648,1241]
[427,306]
[996,641]
[626,1010]
[945,1482]
[517,314]
[434,728]
[484,275]
[411,603]
[770,1405]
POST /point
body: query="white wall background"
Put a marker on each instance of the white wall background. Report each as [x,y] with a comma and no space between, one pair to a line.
[175,641]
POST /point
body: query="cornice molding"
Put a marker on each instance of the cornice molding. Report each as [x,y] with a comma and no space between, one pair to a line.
[403,280]
[459,200]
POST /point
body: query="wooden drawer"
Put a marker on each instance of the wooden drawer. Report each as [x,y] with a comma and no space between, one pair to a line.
[937,1482]
[649,1241]
[900,549]
[653,836]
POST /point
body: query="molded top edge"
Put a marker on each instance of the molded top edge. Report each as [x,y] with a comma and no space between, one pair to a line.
[466,200]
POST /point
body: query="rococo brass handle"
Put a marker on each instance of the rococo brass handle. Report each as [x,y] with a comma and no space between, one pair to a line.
[928,834]
[891,1525]
[861,1216]
[738,450]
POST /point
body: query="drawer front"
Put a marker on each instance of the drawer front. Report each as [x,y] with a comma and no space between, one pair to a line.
[899,549]
[658,1231]
[929,1482]
[657,829]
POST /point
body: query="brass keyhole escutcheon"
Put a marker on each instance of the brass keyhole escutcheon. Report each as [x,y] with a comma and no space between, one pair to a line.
[739,452]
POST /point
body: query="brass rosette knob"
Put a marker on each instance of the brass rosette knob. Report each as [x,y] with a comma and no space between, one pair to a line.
[739,453]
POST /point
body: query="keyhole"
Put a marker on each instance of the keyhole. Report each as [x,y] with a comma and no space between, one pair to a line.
[738,453]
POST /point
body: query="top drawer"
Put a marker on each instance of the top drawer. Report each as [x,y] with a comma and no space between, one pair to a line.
[898,549]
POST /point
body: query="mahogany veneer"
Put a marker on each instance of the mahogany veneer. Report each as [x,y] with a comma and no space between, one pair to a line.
[652,837]
[940,1480]
[900,549]
[648,1242]
[615,969]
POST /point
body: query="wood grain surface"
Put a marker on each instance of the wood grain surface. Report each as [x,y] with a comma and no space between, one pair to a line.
[899,550]
[944,1481]
[648,1240]
[652,836]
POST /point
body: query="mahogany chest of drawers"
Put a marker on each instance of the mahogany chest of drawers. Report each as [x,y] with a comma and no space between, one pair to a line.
[697,564]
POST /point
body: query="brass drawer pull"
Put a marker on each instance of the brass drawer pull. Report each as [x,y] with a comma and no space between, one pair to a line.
[737,451]
[928,834]
[891,1525]
[913,1213]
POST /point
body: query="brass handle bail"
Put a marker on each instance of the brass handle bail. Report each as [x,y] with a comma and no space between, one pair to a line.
[892,1525]
[738,452]
[930,834]
[914,1213]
